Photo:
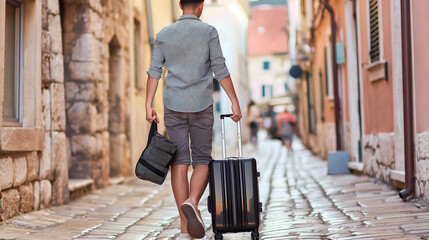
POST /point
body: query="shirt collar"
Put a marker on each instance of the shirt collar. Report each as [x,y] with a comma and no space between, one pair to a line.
[189,16]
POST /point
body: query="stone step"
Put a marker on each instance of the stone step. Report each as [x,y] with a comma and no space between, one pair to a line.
[80,187]
[116,180]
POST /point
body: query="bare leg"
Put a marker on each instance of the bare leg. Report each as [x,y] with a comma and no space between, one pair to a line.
[288,146]
[199,182]
[180,185]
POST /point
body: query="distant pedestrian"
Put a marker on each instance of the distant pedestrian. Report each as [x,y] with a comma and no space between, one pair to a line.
[191,52]
[285,121]
[267,123]
[253,119]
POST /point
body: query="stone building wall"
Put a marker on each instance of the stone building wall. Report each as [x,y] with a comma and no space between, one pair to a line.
[422,165]
[379,155]
[96,53]
[30,180]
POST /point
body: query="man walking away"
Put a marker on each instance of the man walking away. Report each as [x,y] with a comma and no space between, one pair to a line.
[191,52]
[284,128]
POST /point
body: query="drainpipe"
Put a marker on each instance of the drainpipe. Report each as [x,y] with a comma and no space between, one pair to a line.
[407,82]
[334,69]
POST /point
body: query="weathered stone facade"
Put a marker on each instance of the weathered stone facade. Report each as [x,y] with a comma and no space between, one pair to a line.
[422,165]
[379,155]
[96,51]
[85,118]
[30,180]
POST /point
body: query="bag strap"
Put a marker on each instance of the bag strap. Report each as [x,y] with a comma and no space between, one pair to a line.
[153,130]
[152,168]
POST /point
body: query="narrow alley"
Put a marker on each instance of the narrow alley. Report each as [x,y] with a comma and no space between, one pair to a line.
[300,202]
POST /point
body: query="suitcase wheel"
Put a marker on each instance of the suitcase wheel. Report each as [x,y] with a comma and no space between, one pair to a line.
[258,174]
[255,235]
[260,207]
[219,236]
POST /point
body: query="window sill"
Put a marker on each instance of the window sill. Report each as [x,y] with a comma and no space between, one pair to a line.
[7,123]
[377,71]
[398,175]
[17,139]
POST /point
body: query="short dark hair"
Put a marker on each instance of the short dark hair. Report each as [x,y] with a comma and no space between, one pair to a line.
[192,3]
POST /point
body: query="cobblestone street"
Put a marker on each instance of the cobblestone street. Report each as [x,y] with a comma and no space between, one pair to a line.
[300,202]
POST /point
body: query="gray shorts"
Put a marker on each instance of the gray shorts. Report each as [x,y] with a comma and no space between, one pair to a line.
[287,138]
[196,127]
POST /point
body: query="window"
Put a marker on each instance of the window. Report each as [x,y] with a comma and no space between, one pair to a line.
[21,77]
[322,99]
[378,67]
[287,88]
[374,31]
[266,65]
[326,72]
[329,61]
[310,105]
[12,68]
[267,91]
[218,107]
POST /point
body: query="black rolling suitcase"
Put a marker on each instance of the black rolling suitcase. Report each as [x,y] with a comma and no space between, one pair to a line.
[234,194]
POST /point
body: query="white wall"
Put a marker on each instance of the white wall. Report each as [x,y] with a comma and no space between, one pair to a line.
[231,22]
[276,76]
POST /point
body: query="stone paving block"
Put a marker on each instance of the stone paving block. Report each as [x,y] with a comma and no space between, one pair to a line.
[152,236]
[416,226]
[144,229]
[132,236]
[12,232]
[398,215]
[49,216]
[169,233]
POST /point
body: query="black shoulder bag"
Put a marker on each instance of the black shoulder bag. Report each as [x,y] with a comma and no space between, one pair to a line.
[155,160]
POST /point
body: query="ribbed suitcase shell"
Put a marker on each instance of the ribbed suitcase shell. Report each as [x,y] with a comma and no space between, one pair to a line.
[234,195]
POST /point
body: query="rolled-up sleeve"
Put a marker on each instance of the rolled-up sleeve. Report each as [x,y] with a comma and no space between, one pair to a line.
[155,69]
[216,57]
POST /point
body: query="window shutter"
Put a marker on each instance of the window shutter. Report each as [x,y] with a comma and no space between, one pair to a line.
[374,30]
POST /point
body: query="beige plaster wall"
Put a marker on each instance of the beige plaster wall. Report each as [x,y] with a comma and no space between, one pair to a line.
[320,42]
[139,127]
[420,37]
[162,16]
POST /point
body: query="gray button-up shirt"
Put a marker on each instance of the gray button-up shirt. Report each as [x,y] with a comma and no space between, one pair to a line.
[191,52]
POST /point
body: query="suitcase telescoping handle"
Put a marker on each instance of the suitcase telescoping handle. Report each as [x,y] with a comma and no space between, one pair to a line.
[240,150]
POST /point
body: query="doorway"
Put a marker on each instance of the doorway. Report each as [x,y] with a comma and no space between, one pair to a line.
[117,134]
